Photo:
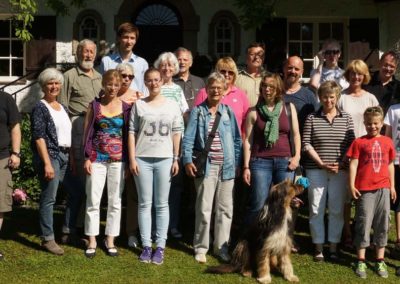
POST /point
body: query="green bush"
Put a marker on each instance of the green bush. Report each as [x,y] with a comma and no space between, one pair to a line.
[25,177]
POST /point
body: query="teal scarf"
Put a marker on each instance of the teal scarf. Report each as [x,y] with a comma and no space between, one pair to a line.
[271,130]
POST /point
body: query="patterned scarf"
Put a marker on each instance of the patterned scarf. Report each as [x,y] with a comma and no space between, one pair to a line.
[271,130]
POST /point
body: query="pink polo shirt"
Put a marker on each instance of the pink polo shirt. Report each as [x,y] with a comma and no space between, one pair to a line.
[235,98]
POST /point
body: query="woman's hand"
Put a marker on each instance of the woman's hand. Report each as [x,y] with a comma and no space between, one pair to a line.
[293,163]
[13,162]
[87,166]
[191,170]
[133,167]
[355,192]
[48,172]
[246,176]
[175,168]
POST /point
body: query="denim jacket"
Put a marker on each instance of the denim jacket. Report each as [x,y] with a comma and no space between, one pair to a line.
[196,135]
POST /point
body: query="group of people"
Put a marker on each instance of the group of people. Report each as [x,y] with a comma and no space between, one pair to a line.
[140,130]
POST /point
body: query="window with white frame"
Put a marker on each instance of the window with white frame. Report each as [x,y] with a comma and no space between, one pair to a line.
[305,39]
[11,51]
[224,37]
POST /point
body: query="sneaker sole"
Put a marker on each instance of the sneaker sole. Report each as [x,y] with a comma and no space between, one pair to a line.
[157,263]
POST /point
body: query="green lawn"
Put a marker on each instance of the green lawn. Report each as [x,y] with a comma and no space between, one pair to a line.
[25,262]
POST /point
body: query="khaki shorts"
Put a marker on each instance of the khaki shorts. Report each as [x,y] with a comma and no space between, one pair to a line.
[5,189]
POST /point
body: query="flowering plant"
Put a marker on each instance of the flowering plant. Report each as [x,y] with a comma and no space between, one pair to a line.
[19,196]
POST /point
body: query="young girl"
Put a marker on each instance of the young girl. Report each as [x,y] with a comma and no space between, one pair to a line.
[105,154]
[154,137]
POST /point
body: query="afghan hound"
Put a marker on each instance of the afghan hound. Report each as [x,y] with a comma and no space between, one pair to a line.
[267,243]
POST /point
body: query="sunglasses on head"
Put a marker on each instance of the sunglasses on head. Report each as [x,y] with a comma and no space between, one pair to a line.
[224,72]
[331,52]
[128,76]
[375,109]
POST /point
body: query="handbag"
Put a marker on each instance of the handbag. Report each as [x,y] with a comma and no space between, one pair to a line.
[199,158]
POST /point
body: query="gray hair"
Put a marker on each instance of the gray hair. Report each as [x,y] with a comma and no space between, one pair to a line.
[125,66]
[50,74]
[182,49]
[216,77]
[167,57]
[82,44]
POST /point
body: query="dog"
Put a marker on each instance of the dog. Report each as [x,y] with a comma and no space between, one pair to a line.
[267,243]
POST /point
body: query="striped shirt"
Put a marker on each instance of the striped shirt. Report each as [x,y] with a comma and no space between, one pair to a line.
[329,140]
[216,152]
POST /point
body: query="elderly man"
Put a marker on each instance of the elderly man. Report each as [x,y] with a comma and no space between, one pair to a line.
[189,83]
[301,97]
[127,36]
[81,85]
[10,133]
[249,79]
[383,84]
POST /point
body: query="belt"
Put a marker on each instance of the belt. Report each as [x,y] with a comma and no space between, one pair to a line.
[64,150]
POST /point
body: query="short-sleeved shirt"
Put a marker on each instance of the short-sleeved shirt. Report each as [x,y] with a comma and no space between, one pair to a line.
[79,90]
[305,103]
[190,87]
[154,127]
[175,93]
[374,155]
[355,106]
[250,85]
[392,118]
[138,63]
[9,116]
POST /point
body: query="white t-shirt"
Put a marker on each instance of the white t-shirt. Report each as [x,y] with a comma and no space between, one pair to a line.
[154,127]
[174,92]
[392,118]
[335,74]
[355,106]
[63,125]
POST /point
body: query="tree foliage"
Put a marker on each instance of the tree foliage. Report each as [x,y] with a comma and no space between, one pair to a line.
[24,13]
[255,12]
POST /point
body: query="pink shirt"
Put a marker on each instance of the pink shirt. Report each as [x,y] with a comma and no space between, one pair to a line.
[235,98]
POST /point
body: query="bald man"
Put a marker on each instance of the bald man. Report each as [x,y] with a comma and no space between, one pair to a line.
[301,97]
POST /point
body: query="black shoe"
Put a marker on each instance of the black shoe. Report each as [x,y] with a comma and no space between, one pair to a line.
[334,257]
[111,251]
[90,252]
[318,256]
[398,271]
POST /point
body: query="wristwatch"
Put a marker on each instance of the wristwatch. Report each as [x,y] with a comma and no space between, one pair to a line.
[16,154]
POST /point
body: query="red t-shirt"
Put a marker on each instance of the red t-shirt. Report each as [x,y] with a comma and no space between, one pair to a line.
[374,155]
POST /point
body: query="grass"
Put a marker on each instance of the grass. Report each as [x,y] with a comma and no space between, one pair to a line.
[26,262]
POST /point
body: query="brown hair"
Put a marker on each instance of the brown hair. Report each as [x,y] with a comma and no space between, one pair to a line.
[375,111]
[391,53]
[127,28]
[256,44]
[279,87]
[151,70]
[111,75]
[329,87]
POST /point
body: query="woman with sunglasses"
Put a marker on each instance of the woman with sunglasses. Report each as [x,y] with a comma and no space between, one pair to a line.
[328,69]
[233,96]
[129,96]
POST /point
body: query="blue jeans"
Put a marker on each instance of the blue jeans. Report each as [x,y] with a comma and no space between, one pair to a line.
[264,173]
[153,183]
[49,192]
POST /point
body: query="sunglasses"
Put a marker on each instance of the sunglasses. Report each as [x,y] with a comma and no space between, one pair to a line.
[375,109]
[224,72]
[331,52]
[128,76]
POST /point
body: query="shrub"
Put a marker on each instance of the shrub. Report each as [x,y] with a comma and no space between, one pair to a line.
[25,177]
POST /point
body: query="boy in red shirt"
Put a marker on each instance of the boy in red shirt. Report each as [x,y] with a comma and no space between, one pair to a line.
[372,186]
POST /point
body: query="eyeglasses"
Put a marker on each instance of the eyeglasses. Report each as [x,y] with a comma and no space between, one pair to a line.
[224,72]
[128,76]
[331,52]
[263,85]
[259,54]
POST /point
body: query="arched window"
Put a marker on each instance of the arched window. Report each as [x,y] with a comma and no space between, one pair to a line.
[157,15]
[224,35]
[89,29]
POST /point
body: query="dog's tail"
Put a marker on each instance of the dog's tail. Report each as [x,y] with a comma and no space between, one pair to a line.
[239,260]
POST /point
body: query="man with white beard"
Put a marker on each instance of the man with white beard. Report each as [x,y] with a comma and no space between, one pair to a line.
[81,85]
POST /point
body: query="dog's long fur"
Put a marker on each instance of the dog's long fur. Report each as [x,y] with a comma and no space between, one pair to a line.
[267,243]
